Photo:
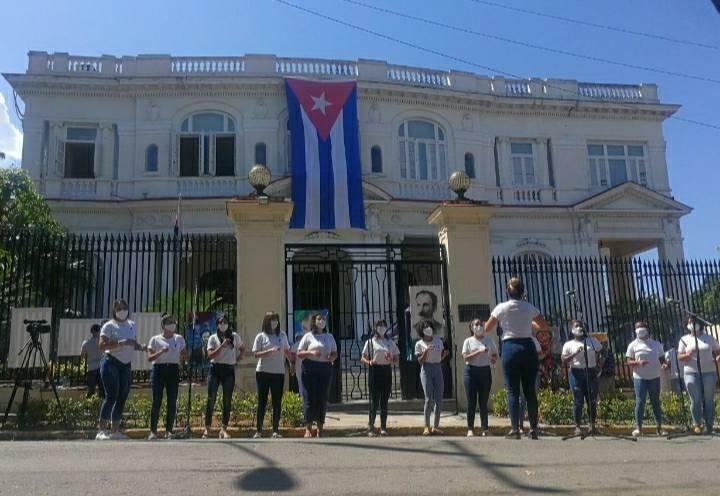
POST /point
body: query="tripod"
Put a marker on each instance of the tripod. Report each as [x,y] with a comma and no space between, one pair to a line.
[23,378]
[187,432]
[694,317]
[593,432]
[683,389]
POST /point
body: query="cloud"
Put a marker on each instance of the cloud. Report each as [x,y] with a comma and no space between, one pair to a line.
[10,136]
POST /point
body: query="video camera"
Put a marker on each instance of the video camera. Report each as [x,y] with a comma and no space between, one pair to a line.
[37,327]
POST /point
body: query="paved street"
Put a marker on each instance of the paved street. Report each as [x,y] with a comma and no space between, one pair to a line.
[361,466]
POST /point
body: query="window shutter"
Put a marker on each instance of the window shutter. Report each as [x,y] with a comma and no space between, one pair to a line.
[174,161]
[60,157]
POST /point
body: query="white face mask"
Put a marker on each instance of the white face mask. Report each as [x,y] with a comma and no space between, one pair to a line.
[577,331]
[273,324]
[694,327]
[121,314]
[170,327]
[427,332]
[380,330]
[478,330]
[223,327]
[641,332]
[320,324]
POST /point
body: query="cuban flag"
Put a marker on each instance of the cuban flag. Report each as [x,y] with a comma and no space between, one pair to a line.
[325,153]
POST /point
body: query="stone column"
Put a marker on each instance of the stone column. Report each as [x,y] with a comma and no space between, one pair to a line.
[260,227]
[463,231]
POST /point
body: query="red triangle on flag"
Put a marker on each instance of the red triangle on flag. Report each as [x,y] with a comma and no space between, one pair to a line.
[322,101]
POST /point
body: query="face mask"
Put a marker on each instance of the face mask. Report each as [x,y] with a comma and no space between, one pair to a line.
[223,327]
[273,324]
[320,324]
[577,331]
[121,314]
[478,330]
[427,332]
[380,330]
[170,327]
[641,332]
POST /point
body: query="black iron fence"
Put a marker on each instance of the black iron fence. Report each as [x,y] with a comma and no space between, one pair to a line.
[79,276]
[610,295]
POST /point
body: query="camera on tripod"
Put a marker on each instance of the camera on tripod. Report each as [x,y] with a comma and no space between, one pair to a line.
[36,327]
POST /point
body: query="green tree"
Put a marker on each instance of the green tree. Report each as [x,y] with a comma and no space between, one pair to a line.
[22,209]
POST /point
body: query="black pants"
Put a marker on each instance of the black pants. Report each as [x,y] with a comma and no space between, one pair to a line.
[164,376]
[220,374]
[477,388]
[93,381]
[273,384]
[316,377]
[380,387]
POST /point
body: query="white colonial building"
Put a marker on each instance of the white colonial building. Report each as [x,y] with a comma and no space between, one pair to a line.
[576,169]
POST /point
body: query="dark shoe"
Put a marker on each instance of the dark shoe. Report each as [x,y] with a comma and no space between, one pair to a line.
[513,434]
[533,435]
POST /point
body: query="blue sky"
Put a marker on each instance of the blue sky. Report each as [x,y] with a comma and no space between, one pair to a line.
[227,27]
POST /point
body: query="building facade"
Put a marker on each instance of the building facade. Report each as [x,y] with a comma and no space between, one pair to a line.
[576,169]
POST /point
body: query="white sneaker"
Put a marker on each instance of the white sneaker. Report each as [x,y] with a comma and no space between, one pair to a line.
[470,433]
[257,435]
[102,436]
[276,435]
[152,436]
[172,435]
[636,433]
[118,436]
[383,432]
[224,434]
[372,433]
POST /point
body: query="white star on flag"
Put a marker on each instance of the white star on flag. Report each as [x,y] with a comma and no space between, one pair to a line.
[319,103]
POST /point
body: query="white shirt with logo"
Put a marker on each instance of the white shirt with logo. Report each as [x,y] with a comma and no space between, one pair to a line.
[324,343]
[472,344]
[272,363]
[435,355]
[578,362]
[228,355]
[649,350]
[515,318]
[174,345]
[117,331]
[706,344]
[379,348]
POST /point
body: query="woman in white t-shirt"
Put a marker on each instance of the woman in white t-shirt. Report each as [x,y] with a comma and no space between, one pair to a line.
[518,318]
[646,358]
[318,352]
[430,352]
[118,342]
[479,352]
[698,346]
[379,354]
[573,357]
[165,351]
[224,349]
[296,365]
[271,348]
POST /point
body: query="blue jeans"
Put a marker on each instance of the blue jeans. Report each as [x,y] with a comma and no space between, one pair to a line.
[431,377]
[164,376]
[316,378]
[702,407]
[643,388]
[220,374]
[579,388]
[477,388]
[520,368]
[523,401]
[116,377]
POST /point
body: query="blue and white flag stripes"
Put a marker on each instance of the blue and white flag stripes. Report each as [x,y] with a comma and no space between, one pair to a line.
[325,155]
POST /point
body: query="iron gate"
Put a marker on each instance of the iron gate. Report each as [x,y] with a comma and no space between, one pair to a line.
[359,284]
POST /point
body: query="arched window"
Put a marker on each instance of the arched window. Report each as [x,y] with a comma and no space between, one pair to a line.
[260,153]
[422,151]
[151,158]
[207,145]
[376,164]
[470,165]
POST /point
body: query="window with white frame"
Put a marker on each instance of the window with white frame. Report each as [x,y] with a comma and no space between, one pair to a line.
[151,158]
[613,164]
[79,152]
[423,151]
[207,145]
[523,163]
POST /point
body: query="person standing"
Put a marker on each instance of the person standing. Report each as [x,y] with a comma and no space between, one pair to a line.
[646,358]
[271,347]
[224,349]
[118,341]
[318,352]
[379,354]
[165,351]
[677,370]
[700,383]
[573,357]
[90,351]
[517,318]
[430,353]
[479,352]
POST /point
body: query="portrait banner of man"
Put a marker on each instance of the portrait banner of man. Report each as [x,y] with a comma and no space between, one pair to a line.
[426,304]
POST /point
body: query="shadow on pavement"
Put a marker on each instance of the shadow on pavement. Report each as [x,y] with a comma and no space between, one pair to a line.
[270,478]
